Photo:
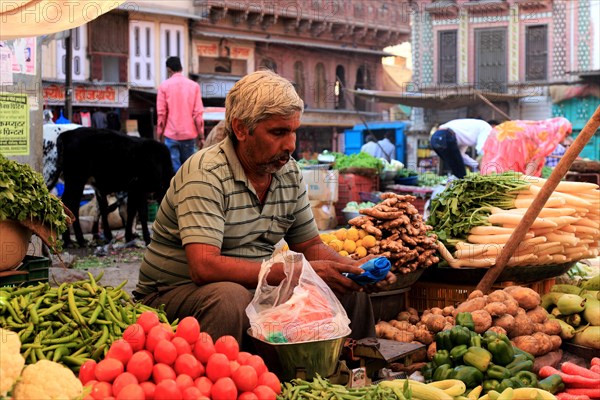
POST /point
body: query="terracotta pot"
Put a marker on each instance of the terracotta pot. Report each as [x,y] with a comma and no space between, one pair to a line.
[14,243]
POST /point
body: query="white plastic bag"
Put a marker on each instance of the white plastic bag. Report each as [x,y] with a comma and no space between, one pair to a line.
[301,308]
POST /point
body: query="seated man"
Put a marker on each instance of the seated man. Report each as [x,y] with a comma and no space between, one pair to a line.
[227,208]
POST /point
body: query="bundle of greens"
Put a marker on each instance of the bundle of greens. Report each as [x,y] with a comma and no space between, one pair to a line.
[24,196]
[357,160]
[467,202]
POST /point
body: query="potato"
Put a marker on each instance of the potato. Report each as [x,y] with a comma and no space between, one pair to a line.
[497,295]
[447,311]
[475,304]
[506,322]
[403,316]
[431,350]
[497,329]
[526,297]
[435,322]
[496,308]
[556,342]
[544,343]
[552,327]
[523,326]
[474,294]
[424,336]
[482,320]
[526,343]
[512,306]
[538,315]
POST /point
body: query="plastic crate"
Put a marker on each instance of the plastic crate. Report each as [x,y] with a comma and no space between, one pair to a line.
[31,271]
[426,295]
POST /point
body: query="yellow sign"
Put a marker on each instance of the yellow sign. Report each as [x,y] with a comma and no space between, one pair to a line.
[14,124]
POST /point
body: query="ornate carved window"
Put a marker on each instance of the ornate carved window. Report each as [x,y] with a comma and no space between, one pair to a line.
[447,57]
[491,59]
[536,53]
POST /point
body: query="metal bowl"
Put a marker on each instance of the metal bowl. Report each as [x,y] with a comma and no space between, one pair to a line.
[304,359]
[348,215]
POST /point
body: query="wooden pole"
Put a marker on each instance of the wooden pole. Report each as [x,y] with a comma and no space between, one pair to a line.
[539,201]
[489,103]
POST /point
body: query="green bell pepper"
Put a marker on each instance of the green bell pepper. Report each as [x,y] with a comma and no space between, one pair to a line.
[498,372]
[441,357]
[553,384]
[457,353]
[478,357]
[460,335]
[504,384]
[489,384]
[465,319]
[475,339]
[527,355]
[527,378]
[526,365]
[443,340]
[442,372]
[427,371]
[470,376]
[502,352]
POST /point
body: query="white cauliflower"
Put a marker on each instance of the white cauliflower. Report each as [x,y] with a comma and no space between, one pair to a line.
[47,380]
[11,360]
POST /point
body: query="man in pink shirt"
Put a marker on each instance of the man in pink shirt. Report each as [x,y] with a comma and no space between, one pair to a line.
[179,106]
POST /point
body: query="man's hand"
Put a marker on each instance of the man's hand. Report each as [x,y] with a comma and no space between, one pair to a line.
[382,285]
[331,272]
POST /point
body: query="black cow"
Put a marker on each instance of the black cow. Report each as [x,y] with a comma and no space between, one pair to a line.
[111,162]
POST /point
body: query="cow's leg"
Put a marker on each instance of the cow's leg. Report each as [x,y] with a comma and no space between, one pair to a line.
[71,199]
[103,205]
[135,206]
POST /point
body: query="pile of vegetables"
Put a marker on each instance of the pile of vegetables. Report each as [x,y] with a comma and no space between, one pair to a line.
[488,361]
[44,379]
[514,311]
[580,383]
[357,160]
[155,362]
[474,217]
[402,235]
[430,179]
[25,197]
[577,309]
[71,323]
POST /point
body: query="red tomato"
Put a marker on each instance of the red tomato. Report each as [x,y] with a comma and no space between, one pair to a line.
[233,366]
[189,329]
[184,381]
[242,357]
[191,393]
[148,320]
[165,352]
[167,390]
[247,396]
[257,363]
[264,392]
[245,378]
[227,345]
[101,390]
[86,371]
[91,383]
[204,347]
[126,378]
[108,369]
[182,346]
[271,380]
[204,385]
[133,391]
[224,389]
[156,334]
[140,364]
[121,350]
[135,335]
[160,372]
[217,367]
[189,365]
[148,388]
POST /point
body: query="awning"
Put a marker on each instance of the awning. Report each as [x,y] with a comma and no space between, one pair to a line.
[137,7]
[28,18]
[440,101]
[287,42]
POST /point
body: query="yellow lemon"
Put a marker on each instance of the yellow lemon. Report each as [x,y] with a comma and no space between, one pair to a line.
[326,237]
[369,241]
[343,253]
[360,251]
[362,233]
[352,234]
[341,234]
[359,243]
[349,246]
[335,244]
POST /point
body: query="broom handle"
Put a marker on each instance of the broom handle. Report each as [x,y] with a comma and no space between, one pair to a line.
[539,201]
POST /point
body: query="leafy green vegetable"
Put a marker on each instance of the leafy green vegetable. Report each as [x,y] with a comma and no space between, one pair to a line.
[466,203]
[24,196]
[357,160]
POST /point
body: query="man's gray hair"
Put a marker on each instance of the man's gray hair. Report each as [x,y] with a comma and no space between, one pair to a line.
[258,96]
